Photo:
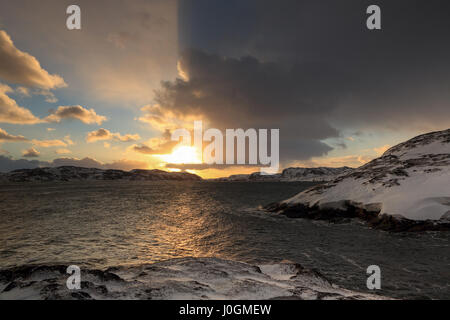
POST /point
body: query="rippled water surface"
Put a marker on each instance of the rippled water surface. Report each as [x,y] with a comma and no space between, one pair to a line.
[101,224]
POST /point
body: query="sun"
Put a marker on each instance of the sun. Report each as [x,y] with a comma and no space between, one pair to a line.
[182,155]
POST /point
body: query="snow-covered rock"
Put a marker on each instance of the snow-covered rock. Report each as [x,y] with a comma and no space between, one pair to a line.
[184,278]
[254,177]
[68,173]
[407,188]
[321,174]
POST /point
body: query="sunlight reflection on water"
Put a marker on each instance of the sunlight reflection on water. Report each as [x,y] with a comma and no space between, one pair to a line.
[101,224]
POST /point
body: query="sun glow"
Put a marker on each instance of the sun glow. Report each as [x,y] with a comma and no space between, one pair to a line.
[182,155]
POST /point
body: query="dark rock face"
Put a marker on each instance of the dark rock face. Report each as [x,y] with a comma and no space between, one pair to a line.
[374,219]
[391,223]
[68,173]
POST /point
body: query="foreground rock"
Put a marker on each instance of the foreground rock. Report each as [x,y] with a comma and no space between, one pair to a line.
[186,278]
[321,174]
[77,174]
[406,189]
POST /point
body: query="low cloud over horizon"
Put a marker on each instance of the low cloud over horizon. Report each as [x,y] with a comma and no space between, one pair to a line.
[8,164]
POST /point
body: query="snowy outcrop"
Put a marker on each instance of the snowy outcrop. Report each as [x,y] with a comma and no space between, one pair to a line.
[321,174]
[407,188]
[68,173]
[185,278]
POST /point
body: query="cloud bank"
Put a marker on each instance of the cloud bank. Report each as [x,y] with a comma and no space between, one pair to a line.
[247,93]
[8,164]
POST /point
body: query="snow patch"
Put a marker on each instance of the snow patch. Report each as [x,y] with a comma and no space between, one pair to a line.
[411,180]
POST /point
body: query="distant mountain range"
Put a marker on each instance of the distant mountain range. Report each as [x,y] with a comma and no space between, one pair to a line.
[72,173]
[321,174]
[68,173]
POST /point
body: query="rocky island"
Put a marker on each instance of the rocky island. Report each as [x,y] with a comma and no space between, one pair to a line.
[406,189]
[321,174]
[69,173]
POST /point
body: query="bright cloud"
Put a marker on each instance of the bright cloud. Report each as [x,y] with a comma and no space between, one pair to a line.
[353,161]
[104,134]
[10,112]
[22,68]
[6,137]
[31,153]
[76,112]
[49,143]
[158,145]
[162,119]
[63,151]
[381,149]
[68,140]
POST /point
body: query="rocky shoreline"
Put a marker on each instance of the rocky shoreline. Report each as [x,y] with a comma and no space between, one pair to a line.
[184,278]
[351,210]
[405,189]
[321,174]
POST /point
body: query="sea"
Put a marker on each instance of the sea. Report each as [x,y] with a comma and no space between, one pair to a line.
[104,224]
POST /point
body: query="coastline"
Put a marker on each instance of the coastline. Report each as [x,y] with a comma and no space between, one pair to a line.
[180,278]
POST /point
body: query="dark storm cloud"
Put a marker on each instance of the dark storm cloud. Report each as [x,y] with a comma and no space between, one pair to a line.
[345,75]
[326,30]
[247,93]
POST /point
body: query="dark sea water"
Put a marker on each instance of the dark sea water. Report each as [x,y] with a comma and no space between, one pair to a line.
[103,224]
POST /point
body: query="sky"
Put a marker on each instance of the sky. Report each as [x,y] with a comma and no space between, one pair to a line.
[110,95]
